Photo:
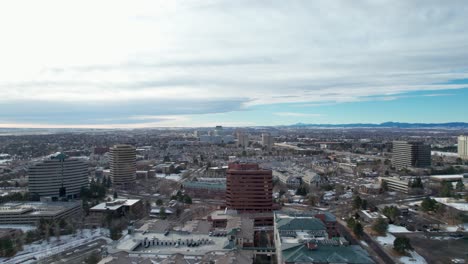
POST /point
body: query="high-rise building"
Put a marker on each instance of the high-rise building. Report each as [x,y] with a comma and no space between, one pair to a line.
[58,177]
[411,154]
[463,147]
[267,140]
[242,139]
[249,188]
[122,165]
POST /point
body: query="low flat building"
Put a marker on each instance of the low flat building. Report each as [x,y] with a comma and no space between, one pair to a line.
[200,189]
[29,213]
[370,217]
[370,188]
[133,208]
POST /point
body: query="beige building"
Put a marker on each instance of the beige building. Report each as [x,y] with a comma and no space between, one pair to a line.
[267,141]
[242,140]
[463,147]
[122,165]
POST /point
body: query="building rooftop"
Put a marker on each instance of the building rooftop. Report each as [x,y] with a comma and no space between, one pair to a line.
[300,223]
[205,185]
[326,254]
[36,208]
[173,242]
[114,205]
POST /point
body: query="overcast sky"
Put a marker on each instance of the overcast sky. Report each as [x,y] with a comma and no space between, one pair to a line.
[202,63]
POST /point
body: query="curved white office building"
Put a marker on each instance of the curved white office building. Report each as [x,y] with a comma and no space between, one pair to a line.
[122,161]
[58,177]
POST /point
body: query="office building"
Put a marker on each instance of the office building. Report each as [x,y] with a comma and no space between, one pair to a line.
[122,165]
[463,147]
[411,154]
[29,213]
[267,141]
[249,188]
[58,177]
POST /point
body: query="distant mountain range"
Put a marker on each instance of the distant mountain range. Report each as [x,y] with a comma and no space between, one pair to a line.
[389,125]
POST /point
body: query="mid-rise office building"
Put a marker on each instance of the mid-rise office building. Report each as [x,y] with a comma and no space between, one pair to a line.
[463,147]
[30,213]
[249,188]
[411,154]
[58,177]
[123,165]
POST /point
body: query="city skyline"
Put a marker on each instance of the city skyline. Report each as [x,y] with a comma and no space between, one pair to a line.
[203,63]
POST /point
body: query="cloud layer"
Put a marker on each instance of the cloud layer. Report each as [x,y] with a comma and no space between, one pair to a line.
[111,61]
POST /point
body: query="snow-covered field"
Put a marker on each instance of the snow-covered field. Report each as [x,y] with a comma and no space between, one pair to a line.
[42,249]
[414,259]
[387,241]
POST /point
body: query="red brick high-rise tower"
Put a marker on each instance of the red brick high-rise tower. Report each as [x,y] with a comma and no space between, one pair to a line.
[249,188]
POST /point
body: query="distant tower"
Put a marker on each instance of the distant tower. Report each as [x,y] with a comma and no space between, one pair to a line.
[58,177]
[411,154]
[218,131]
[463,147]
[267,141]
[242,139]
[122,165]
[249,188]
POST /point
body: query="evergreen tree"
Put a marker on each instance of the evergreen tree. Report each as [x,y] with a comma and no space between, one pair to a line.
[428,204]
[447,189]
[402,244]
[460,186]
[358,230]
[380,226]
[357,202]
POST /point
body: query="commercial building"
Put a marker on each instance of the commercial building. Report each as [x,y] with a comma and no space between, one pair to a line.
[122,165]
[302,238]
[249,188]
[58,177]
[29,213]
[267,141]
[411,154]
[463,147]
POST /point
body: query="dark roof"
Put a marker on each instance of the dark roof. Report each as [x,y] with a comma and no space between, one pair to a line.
[327,254]
[300,224]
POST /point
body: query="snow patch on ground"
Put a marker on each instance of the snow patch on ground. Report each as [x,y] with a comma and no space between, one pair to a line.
[386,240]
[398,229]
[456,228]
[364,243]
[414,259]
[24,228]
